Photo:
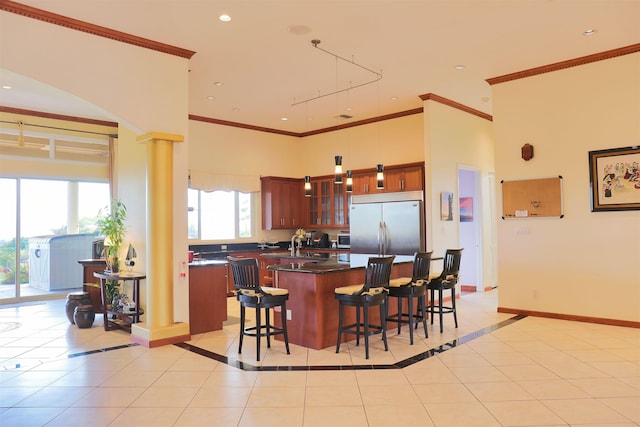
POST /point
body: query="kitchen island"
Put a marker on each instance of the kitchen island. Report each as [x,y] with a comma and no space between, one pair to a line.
[312,307]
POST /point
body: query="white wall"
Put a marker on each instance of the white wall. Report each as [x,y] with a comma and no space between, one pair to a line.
[587,263]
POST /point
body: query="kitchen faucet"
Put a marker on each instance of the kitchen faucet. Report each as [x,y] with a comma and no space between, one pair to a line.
[297,238]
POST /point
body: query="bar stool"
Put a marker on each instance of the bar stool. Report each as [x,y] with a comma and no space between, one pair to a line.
[446,280]
[414,287]
[362,296]
[250,294]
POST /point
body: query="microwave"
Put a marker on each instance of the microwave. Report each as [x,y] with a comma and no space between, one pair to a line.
[344,240]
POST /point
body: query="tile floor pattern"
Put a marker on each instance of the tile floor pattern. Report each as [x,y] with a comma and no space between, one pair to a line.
[527,372]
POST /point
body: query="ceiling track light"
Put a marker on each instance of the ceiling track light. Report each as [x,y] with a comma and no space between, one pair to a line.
[378,76]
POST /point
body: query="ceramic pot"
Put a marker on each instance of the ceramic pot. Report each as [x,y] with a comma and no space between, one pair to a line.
[84,316]
[75,299]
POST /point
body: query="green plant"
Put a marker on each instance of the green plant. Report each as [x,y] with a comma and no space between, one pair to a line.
[110,224]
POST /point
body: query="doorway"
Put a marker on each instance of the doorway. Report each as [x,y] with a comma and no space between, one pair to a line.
[470,228]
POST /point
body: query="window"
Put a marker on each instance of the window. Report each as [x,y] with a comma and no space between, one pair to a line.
[220,215]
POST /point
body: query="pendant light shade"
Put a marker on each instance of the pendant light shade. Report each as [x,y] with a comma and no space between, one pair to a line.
[307,186]
[349,182]
[338,170]
[380,177]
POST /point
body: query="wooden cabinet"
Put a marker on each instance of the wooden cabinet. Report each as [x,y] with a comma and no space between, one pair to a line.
[282,203]
[207,297]
[409,178]
[397,178]
[266,276]
[364,182]
[328,204]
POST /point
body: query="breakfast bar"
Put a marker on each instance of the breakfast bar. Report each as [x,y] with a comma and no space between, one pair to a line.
[312,307]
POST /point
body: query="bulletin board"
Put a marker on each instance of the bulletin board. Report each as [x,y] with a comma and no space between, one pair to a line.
[532,198]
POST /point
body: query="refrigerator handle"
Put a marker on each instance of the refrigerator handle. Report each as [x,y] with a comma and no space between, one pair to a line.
[380,238]
[385,237]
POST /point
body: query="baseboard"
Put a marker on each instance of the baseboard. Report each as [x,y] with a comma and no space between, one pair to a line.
[573,317]
[472,288]
[159,342]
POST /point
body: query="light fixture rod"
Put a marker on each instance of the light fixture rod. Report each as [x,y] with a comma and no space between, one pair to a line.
[315,43]
[20,123]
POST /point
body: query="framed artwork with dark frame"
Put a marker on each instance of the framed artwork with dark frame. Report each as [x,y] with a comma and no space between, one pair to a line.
[614,177]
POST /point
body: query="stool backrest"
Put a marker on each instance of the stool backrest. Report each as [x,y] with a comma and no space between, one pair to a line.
[421,266]
[451,265]
[378,272]
[246,274]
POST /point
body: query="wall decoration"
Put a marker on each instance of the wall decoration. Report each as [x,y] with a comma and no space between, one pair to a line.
[446,206]
[466,209]
[532,198]
[614,176]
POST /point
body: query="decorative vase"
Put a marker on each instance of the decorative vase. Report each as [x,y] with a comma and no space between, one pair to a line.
[84,316]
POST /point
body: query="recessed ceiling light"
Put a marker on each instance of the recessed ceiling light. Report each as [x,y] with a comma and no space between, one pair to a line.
[284,119]
[224,17]
[235,109]
[6,87]
[309,118]
[299,29]
[347,108]
[394,98]
[459,67]
[589,32]
[218,83]
[211,98]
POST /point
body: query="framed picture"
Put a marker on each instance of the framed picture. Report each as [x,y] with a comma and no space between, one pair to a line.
[466,209]
[614,176]
[446,206]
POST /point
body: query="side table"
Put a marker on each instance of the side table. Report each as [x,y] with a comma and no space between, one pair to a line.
[114,318]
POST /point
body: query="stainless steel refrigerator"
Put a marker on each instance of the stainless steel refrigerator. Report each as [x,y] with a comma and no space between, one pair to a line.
[387,224]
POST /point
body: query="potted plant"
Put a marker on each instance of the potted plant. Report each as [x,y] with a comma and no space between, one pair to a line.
[110,224]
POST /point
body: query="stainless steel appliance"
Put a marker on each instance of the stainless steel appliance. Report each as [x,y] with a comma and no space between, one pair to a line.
[343,240]
[387,224]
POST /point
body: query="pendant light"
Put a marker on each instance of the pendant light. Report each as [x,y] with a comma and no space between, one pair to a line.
[338,170]
[349,182]
[380,177]
[307,186]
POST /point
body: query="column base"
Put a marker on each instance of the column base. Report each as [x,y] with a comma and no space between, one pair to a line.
[156,337]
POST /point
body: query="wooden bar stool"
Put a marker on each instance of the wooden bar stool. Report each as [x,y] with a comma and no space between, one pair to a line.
[446,280]
[372,293]
[250,294]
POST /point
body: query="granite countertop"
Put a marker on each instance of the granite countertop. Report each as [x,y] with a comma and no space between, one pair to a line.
[340,262]
[207,262]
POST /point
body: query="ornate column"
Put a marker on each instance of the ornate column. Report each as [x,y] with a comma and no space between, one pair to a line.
[159,327]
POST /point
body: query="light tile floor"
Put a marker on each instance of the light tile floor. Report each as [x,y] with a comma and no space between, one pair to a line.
[491,371]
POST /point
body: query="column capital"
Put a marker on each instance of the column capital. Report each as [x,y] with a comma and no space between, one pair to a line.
[160,136]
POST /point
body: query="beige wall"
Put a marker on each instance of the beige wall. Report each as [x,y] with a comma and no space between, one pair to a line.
[454,139]
[587,263]
[143,90]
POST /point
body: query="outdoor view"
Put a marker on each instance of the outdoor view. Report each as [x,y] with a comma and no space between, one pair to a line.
[46,208]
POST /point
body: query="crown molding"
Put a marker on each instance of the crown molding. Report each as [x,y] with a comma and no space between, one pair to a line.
[45,115]
[309,133]
[96,30]
[454,104]
[566,64]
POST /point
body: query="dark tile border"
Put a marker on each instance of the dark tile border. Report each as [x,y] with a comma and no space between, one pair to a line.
[398,365]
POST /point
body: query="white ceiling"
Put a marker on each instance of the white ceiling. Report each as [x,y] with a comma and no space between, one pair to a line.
[266,61]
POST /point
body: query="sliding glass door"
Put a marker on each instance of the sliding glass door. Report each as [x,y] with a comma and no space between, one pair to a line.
[46,226]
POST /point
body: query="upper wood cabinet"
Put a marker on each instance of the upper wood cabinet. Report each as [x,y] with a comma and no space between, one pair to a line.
[328,204]
[409,177]
[282,203]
